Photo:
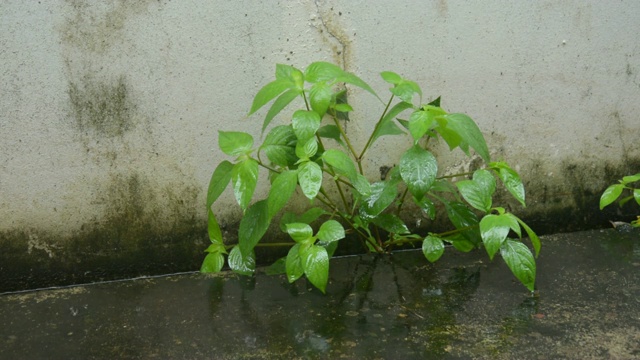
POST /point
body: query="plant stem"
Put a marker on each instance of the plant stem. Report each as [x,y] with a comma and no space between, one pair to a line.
[404,194]
[370,140]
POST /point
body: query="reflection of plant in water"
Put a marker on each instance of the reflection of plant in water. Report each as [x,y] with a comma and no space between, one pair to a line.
[613,192]
[297,158]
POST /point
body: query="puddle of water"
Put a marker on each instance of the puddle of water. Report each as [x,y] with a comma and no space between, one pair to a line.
[398,306]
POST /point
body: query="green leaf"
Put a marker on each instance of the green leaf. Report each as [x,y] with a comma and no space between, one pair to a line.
[419,123]
[288,72]
[636,195]
[520,260]
[468,130]
[535,240]
[460,243]
[212,263]
[278,267]
[629,179]
[343,108]
[305,124]
[279,146]
[215,235]
[331,132]
[610,195]
[331,231]
[244,177]
[310,178]
[514,223]
[386,125]
[253,226]
[433,248]
[315,262]
[299,232]
[474,195]
[320,97]
[270,92]
[341,163]
[235,143]
[418,168]
[435,102]
[382,195]
[352,79]
[427,206]
[391,77]
[240,263]
[494,230]
[330,246]
[391,223]
[463,217]
[306,149]
[510,179]
[281,190]
[307,217]
[293,264]
[322,71]
[479,191]
[281,102]
[405,90]
[219,181]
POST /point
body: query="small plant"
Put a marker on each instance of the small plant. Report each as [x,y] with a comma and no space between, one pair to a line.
[613,192]
[296,156]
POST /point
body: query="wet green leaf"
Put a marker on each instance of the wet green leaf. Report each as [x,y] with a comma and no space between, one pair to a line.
[340,162]
[391,77]
[474,195]
[219,181]
[418,168]
[281,102]
[331,231]
[535,240]
[387,126]
[391,223]
[463,217]
[511,180]
[270,92]
[352,79]
[212,263]
[427,206]
[278,267]
[382,195]
[281,190]
[244,177]
[279,146]
[470,134]
[636,195]
[610,195]
[322,71]
[213,229]
[331,132]
[299,232]
[307,217]
[306,149]
[419,123]
[235,143]
[293,264]
[320,97]
[520,260]
[315,262]
[310,178]
[305,124]
[240,263]
[433,248]
[629,179]
[494,230]
[253,226]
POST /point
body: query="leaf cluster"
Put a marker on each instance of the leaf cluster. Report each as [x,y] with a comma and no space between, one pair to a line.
[297,158]
[615,191]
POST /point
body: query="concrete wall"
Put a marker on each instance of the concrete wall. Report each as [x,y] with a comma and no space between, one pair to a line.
[109,110]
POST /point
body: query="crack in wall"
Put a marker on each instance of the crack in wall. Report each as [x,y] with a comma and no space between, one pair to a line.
[335,33]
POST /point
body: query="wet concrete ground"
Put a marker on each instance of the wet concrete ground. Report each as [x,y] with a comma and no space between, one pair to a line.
[389,307]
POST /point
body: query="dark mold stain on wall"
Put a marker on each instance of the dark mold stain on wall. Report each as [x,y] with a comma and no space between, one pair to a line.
[101,107]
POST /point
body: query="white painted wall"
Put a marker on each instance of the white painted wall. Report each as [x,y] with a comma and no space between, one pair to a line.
[551,83]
